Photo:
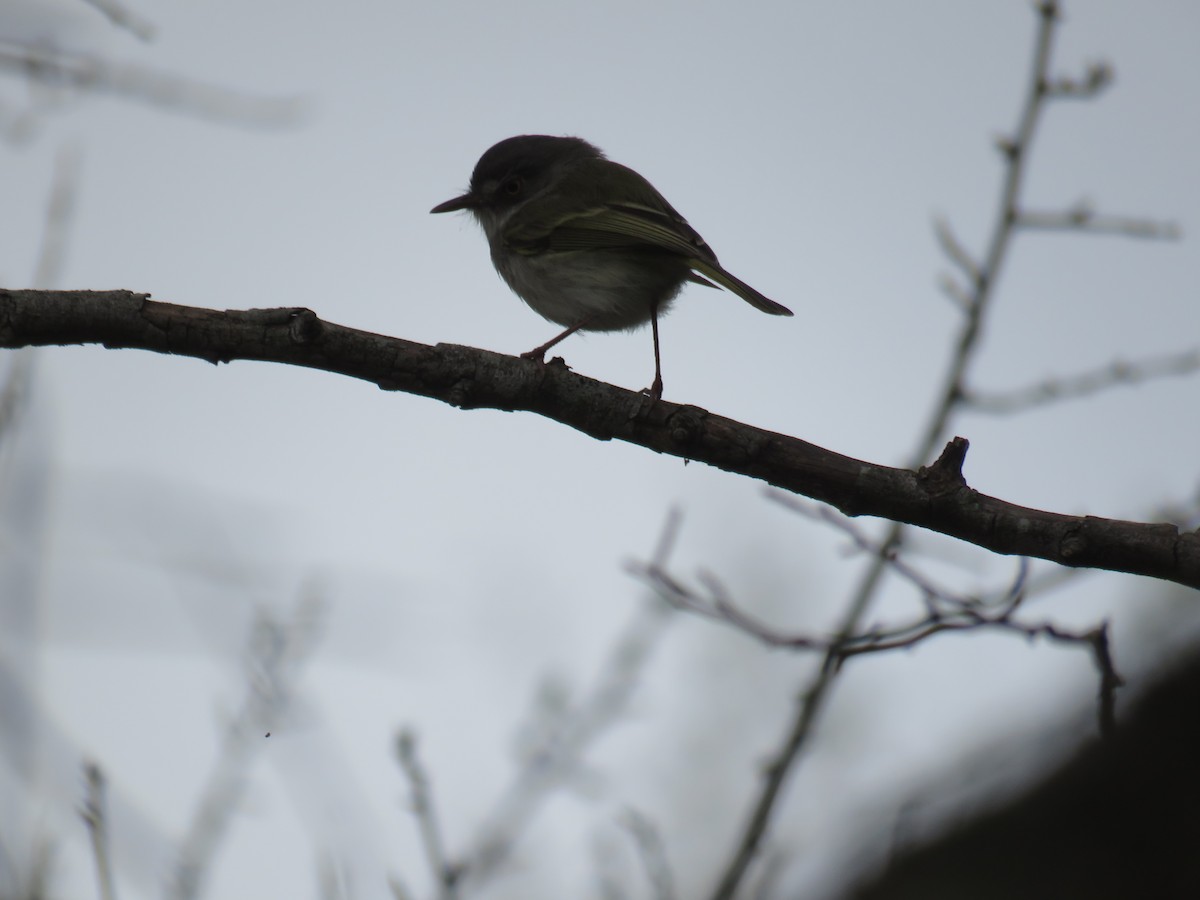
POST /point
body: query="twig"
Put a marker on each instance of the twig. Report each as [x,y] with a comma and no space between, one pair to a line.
[123,17]
[652,853]
[563,739]
[944,612]
[717,606]
[1084,384]
[95,817]
[15,392]
[611,882]
[1097,76]
[1082,218]
[956,613]
[277,653]
[954,249]
[332,880]
[398,889]
[60,68]
[60,210]
[1016,153]
[886,553]
[956,292]
[421,800]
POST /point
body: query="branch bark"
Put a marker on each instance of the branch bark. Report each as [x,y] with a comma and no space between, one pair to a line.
[935,497]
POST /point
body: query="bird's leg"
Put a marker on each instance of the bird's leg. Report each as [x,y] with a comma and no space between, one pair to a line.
[655,390]
[539,353]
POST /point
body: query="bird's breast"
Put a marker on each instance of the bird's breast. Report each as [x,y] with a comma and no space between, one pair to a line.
[606,290]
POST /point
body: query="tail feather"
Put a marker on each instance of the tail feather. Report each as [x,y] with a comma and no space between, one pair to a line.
[739,287]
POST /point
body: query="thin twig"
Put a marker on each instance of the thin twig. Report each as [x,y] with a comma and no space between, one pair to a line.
[1082,218]
[333,882]
[568,729]
[990,610]
[652,853]
[956,292]
[1096,77]
[954,249]
[944,612]
[1084,384]
[60,68]
[95,817]
[60,211]
[123,17]
[275,658]
[813,697]
[421,800]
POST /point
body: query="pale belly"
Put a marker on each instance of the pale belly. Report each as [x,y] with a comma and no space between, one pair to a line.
[606,291]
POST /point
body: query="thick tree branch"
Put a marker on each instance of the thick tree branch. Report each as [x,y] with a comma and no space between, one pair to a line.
[935,497]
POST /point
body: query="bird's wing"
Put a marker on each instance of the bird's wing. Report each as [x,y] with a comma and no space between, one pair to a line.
[641,219]
[588,220]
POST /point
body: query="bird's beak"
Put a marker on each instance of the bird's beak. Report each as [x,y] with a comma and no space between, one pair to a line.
[466,201]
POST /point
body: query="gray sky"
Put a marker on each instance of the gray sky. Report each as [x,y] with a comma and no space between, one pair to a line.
[462,556]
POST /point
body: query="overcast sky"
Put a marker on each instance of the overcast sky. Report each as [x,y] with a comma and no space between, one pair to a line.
[461,558]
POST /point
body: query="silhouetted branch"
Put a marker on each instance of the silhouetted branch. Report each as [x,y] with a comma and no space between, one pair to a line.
[944,611]
[974,300]
[470,378]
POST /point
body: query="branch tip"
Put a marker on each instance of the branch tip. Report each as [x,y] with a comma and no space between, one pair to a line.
[946,471]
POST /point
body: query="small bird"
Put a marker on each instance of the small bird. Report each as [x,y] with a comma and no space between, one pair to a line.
[586,242]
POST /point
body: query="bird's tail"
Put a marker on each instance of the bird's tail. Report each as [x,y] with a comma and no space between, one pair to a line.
[739,287]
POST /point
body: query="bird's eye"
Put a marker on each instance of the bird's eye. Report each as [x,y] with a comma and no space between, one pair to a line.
[513,186]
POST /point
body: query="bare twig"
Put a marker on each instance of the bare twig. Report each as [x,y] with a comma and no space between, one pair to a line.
[123,17]
[60,68]
[943,612]
[398,889]
[954,249]
[277,653]
[955,291]
[333,882]
[1083,218]
[15,391]
[445,874]
[887,553]
[95,817]
[716,605]
[1096,77]
[976,303]
[950,612]
[569,729]
[60,210]
[1084,384]
[652,853]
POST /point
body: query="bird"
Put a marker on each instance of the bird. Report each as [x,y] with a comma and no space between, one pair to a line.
[586,242]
